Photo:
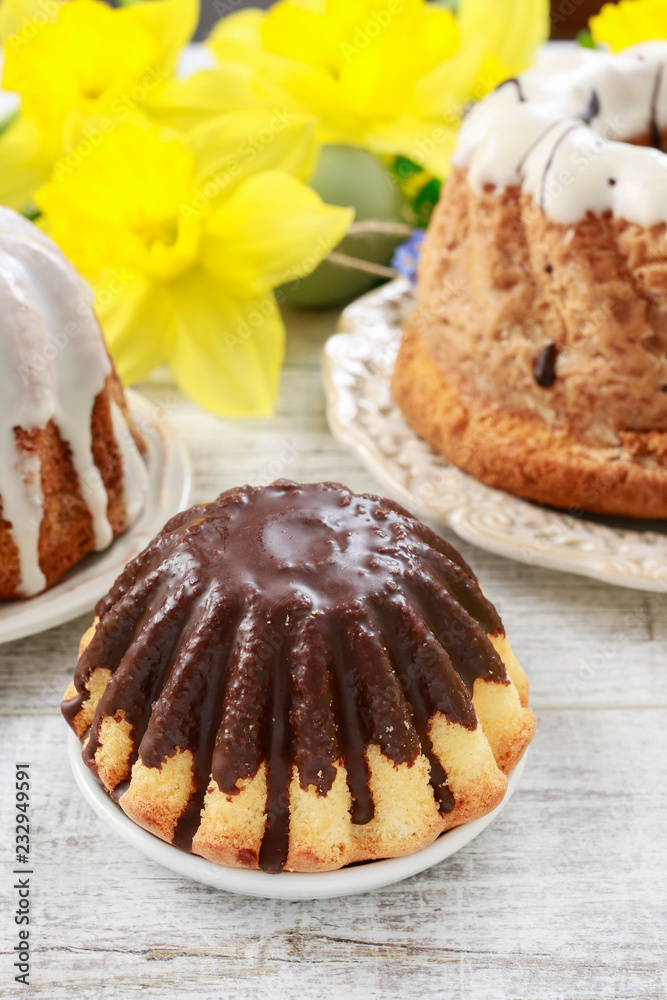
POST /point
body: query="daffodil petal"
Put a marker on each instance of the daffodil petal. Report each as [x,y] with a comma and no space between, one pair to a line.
[93,59]
[16,14]
[300,34]
[623,24]
[227,353]
[444,91]
[131,190]
[492,47]
[25,163]
[186,103]
[171,22]
[427,142]
[246,76]
[378,71]
[370,70]
[228,148]
[271,230]
[237,34]
[137,318]
[275,80]
[512,40]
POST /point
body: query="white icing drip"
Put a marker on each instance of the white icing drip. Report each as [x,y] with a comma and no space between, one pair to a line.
[32,519]
[24,502]
[570,167]
[53,364]
[23,403]
[135,473]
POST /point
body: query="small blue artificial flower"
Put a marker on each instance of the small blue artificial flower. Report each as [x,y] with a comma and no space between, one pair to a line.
[406,255]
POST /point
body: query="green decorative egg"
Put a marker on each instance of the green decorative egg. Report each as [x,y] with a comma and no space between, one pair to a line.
[353,177]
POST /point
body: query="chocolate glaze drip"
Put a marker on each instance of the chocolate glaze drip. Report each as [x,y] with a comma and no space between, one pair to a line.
[273,852]
[513,81]
[350,731]
[313,721]
[533,146]
[376,694]
[187,712]
[139,676]
[593,109]
[438,543]
[552,157]
[431,685]
[464,639]
[290,626]
[240,745]
[71,707]
[119,790]
[464,589]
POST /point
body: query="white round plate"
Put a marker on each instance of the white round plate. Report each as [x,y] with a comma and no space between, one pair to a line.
[88,581]
[362,414]
[287,885]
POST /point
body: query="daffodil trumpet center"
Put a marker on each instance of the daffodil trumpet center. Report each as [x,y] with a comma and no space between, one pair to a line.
[169,246]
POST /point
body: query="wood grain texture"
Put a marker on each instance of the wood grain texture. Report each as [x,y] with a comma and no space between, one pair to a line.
[563,897]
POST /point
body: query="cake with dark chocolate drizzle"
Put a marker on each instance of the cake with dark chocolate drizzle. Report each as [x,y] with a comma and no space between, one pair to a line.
[299,677]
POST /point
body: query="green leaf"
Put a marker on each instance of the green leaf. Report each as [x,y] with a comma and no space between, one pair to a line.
[585,39]
[426,201]
[31,212]
[403,167]
[9,120]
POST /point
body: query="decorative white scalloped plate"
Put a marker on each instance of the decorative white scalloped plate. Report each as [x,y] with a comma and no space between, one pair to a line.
[82,586]
[362,414]
[287,885]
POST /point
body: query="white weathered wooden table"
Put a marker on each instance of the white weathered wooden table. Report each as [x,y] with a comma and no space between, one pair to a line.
[565,896]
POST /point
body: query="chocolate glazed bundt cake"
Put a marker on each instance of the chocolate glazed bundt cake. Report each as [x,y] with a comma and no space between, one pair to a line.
[536,358]
[72,476]
[299,677]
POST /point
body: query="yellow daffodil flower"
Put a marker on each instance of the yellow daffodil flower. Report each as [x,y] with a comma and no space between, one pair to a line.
[28,15]
[70,62]
[389,75]
[184,239]
[629,22]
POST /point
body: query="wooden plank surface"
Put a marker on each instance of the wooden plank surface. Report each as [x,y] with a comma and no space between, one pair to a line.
[564,896]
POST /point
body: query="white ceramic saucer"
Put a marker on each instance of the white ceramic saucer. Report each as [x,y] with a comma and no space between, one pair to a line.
[288,885]
[362,414]
[85,583]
